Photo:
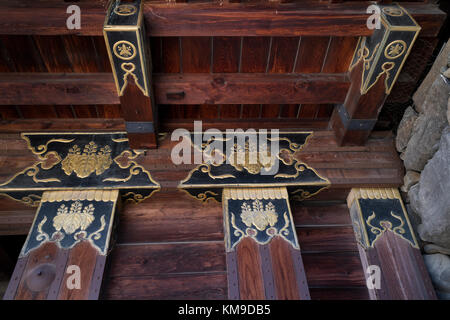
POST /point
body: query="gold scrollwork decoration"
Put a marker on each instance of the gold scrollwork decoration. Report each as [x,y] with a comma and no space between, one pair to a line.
[96,235]
[386,225]
[299,167]
[134,167]
[134,197]
[206,168]
[205,197]
[129,69]
[31,200]
[42,236]
[42,148]
[32,172]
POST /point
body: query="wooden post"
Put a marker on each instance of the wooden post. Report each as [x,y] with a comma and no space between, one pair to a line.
[65,253]
[263,254]
[376,65]
[129,55]
[387,243]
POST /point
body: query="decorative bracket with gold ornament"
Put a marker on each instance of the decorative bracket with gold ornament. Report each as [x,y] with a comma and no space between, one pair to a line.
[261,243]
[375,211]
[64,255]
[66,161]
[130,58]
[252,174]
[258,213]
[388,249]
[68,217]
[387,49]
[243,164]
[124,35]
[77,181]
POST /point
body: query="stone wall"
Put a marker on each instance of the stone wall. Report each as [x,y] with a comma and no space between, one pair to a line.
[423,140]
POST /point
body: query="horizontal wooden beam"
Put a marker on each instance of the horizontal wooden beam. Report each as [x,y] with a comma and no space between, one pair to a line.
[57,89]
[213,19]
[98,88]
[250,88]
[30,125]
[223,124]
[274,19]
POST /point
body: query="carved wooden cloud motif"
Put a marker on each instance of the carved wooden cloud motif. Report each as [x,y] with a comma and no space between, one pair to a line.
[270,167]
[80,161]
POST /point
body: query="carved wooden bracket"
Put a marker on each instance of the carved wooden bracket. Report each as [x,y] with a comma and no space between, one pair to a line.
[387,242]
[376,65]
[129,55]
[263,255]
[252,176]
[77,182]
[65,252]
[208,179]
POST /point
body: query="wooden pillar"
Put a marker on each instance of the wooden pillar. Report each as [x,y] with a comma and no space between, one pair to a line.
[386,242]
[263,254]
[129,55]
[65,252]
[376,65]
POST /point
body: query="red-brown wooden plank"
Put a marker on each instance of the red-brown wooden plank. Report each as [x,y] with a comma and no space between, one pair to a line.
[175,287]
[334,269]
[226,54]
[163,258]
[311,54]
[255,53]
[318,239]
[283,54]
[207,19]
[196,54]
[251,286]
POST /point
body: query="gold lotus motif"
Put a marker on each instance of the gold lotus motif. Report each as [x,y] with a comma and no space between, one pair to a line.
[253,160]
[258,215]
[75,218]
[86,162]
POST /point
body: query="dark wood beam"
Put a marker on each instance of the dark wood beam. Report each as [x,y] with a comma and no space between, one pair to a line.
[99,125]
[64,125]
[214,19]
[250,88]
[57,89]
[98,88]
